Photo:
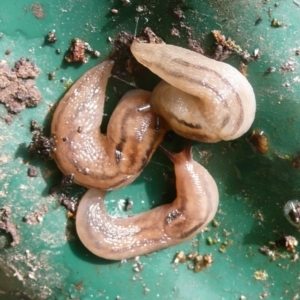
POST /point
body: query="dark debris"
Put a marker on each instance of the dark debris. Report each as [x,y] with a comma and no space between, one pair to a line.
[68,180]
[32,171]
[296,161]
[287,242]
[51,37]
[70,204]
[78,49]
[41,144]
[8,226]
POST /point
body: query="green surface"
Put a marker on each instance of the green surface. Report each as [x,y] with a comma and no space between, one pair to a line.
[51,263]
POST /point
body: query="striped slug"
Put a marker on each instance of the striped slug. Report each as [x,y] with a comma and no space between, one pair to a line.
[200,98]
[103,161]
[170,224]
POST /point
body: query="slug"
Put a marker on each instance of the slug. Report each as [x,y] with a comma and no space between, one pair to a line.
[103,161]
[200,98]
[166,225]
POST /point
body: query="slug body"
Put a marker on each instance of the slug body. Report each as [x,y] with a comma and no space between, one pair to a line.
[200,98]
[170,224]
[103,161]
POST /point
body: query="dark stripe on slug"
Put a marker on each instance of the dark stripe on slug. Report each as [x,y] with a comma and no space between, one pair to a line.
[187,234]
[207,209]
[183,62]
[184,77]
[193,135]
[180,121]
[225,121]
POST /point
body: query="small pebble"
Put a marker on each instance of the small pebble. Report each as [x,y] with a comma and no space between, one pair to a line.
[32,172]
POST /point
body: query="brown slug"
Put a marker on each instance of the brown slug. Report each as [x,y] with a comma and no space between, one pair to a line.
[200,98]
[103,161]
[166,225]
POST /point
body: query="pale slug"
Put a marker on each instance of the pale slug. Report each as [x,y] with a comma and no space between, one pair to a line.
[170,224]
[200,98]
[103,161]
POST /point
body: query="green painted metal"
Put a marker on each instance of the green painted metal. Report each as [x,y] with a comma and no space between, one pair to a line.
[51,263]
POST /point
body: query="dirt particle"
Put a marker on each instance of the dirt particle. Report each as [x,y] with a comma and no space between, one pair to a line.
[196,261]
[77,50]
[32,172]
[259,140]
[8,119]
[36,216]
[225,46]
[270,70]
[38,10]
[79,286]
[292,212]
[175,32]
[128,204]
[16,93]
[141,8]
[114,11]
[51,75]
[275,23]
[296,161]
[290,243]
[243,68]
[289,66]
[41,144]
[51,37]
[25,69]
[178,12]
[8,226]
[195,46]
[258,21]
[268,252]
[261,275]
[34,126]
[122,54]
[69,203]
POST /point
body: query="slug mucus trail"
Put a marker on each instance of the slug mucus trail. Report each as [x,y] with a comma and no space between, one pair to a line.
[198,98]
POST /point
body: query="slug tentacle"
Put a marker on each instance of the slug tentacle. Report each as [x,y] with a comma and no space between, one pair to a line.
[166,225]
[99,161]
[200,98]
